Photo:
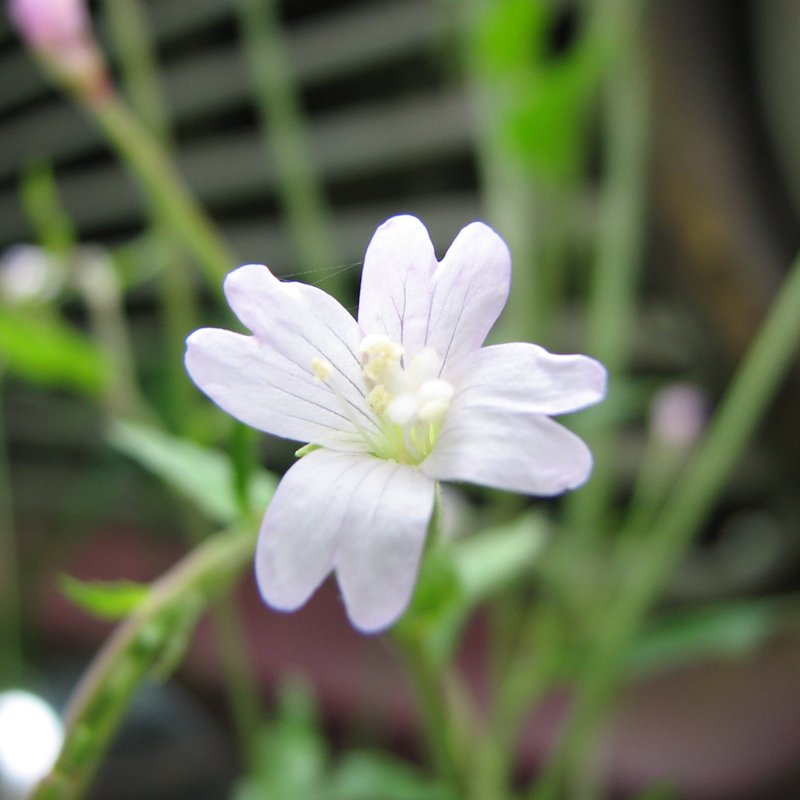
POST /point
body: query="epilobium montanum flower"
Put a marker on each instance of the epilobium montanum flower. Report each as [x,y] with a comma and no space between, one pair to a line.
[399,399]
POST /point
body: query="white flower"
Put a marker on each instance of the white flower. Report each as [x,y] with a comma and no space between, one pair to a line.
[396,401]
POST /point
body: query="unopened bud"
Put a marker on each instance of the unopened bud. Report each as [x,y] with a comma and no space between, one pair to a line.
[678,415]
[60,32]
[29,274]
[48,24]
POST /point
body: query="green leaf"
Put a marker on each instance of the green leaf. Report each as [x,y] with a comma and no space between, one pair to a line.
[42,202]
[379,776]
[105,599]
[457,576]
[43,350]
[291,756]
[201,474]
[490,561]
[722,631]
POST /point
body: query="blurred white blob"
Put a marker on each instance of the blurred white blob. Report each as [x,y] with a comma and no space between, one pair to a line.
[30,738]
[29,274]
[678,415]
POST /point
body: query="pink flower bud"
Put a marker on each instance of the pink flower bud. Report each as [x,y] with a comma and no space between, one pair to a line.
[49,24]
[678,415]
[60,33]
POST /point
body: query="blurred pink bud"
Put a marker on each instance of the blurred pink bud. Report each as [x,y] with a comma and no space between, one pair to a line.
[50,24]
[678,415]
[60,32]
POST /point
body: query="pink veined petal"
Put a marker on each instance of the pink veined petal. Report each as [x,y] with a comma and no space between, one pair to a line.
[301,529]
[294,326]
[364,517]
[395,297]
[469,291]
[507,449]
[527,377]
[450,306]
[378,556]
[262,388]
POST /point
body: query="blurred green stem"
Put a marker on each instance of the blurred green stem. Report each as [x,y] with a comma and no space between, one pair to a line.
[284,132]
[437,699]
[134,46]
[754,385]
[613,289]
[133,41]
[10,607]
[171,200]
[136,648]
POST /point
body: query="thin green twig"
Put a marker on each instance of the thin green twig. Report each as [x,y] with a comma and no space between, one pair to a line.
[697,489]
[284,131]
[141,644]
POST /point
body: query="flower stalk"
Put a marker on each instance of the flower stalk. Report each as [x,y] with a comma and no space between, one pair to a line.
[753,387]
[149,640]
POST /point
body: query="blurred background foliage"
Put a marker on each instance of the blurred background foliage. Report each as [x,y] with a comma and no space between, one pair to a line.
[653,143]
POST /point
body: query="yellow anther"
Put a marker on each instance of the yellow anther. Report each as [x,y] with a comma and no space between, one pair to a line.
[323,369]
[378,399]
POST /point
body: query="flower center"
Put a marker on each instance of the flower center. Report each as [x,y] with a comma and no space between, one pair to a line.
[409,400]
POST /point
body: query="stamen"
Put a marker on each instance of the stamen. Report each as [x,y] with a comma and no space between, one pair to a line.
[410,402]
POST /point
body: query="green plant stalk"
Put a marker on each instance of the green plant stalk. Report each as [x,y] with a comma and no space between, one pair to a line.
[612,296]
[285,139]
[135,50]
[136,648]
[240,681]
[511,202]
[101,292]
[133,41]
[434,705]
[11,662]
[766,363]
[436,699]
[171,200]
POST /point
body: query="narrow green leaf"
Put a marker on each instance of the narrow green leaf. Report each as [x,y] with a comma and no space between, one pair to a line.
[379,776]
[45,351]
[491,560]
[105,599]
[722,631]
[201,474]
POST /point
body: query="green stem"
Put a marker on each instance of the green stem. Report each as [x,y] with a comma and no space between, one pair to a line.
[134,45]
[612,297]
[441,702]
[433,700]
[168,195]
[136,648]
[241,682]
[285,139]
[10,627]
[133,42]
[755,383]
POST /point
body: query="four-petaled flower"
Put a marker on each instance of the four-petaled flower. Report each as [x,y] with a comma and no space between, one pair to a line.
[396,401]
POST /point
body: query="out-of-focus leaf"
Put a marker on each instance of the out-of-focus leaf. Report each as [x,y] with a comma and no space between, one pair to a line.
[379,776]
[457,576]
[659,792]
[491,560]
[40,198]
[722,631]
[202,474]
[511,33]
[106,599]
[45,351]
[291,755]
